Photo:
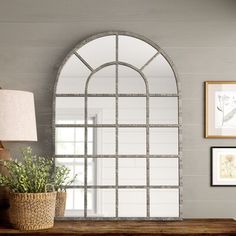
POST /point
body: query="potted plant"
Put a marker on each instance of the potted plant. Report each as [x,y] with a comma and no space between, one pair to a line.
[32,197]
[61,180]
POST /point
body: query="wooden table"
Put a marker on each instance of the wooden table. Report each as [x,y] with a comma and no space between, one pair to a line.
[185,227]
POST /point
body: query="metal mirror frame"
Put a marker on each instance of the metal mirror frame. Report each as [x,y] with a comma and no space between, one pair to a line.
[116,126]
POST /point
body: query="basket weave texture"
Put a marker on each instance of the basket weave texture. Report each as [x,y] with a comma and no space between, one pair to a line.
[32,211]
[60,204]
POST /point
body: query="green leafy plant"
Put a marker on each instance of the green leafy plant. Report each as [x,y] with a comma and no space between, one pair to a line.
[61,178]
[31,175]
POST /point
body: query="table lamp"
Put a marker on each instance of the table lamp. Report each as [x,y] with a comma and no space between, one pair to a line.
[17,123]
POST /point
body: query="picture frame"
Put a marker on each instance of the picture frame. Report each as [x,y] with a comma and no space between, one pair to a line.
[223,166]
[220,109]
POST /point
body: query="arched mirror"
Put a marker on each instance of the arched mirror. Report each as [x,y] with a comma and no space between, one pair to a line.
[117,126]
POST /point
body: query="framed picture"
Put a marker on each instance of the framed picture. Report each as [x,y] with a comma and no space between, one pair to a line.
[220,109]
[223,166]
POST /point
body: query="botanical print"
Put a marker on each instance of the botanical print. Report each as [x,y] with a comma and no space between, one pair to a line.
[227,166]
[225,109]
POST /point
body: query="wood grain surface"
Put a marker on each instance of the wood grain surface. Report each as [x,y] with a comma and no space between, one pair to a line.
[185,227]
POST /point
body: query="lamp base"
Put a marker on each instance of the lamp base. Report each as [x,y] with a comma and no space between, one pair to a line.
[4,192]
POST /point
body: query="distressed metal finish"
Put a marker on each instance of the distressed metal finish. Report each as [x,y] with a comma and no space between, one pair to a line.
[120,218]
[82,60]
[147,147]
[117,125]
[126,186]
[116,63]
[148,62]
[114,156]
[117,130]
[120,95]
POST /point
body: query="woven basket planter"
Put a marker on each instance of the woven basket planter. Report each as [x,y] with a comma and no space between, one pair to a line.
[60,204]
[32,211]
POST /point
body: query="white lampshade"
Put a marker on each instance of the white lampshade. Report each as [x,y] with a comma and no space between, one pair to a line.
[17,116]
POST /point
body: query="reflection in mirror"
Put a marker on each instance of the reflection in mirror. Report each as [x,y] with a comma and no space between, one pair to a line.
[164,202]
[103,81]
[136,166]
[164,141]
[163,110]
[103,48]
[132,110]
[105,141]
[75,165]
[130,81]
[105,171]
[160,76]
[135,51]
[132,203]
[69,110]
[103,108]
[131,167]
[105,204]
[132,141]
[164,171]
[73,76]
[74,207]
[70,141]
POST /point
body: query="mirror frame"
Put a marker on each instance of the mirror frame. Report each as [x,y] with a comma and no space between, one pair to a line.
[180,149]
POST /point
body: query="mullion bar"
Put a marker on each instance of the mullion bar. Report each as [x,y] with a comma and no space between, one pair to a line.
[147,154]
[124,186]
[117,134]
[114,156]
[101,218]
[83,61]
[149,61]
[180,148]
[117,125]
[85,151]
[114,95]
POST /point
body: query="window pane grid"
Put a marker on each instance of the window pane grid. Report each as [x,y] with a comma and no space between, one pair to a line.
[119,125]
[114,156]
[124,186]
[114,95]
[86,187]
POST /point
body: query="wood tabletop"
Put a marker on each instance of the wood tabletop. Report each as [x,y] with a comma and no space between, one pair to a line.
[184,227]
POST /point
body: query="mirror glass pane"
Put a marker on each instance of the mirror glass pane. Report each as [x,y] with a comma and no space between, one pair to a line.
[163,110]
[103,81]
[130,81]
[136,166]
[74,202]
[70,141]
[104,203]
[103,109]
[76,167]
[135,51]
[160,76]
[132,141]
[132,203]
[132,110]
[105,141]
[164,202]
[69,110]
[104,171]
[73,76]
[103,48]
[164,141]
[164,171]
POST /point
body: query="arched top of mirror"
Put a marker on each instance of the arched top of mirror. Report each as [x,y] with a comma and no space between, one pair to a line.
[137,57]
